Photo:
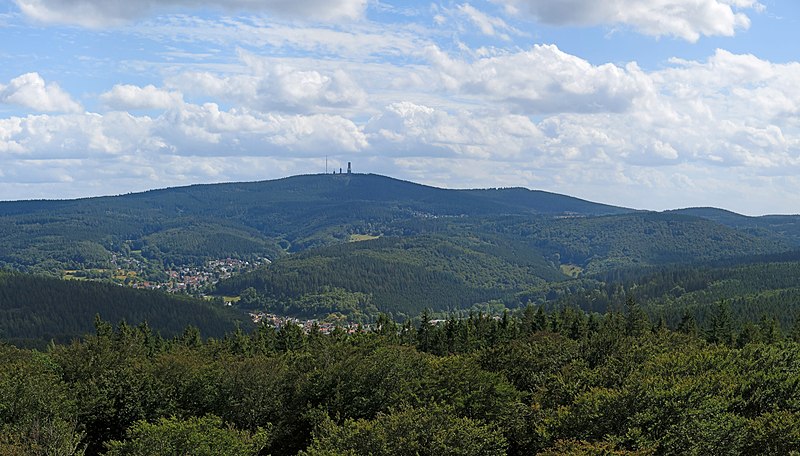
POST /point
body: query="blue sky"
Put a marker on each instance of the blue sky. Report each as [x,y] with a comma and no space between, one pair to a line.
[653,104]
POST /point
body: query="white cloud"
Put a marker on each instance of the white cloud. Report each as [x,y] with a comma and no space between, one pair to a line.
[269,85]
[341,42]
[686,19]
[488,25]
[409,128]
[104,13]
[30,91]
[125,96]
[727,126]
[186,130]
[543,80]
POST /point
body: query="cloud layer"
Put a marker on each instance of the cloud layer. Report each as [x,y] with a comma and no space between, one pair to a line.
[105,13]
[602,125]
[253,97]
[686,19]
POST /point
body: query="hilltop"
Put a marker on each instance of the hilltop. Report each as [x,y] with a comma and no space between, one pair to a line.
[269,218]
[420,246]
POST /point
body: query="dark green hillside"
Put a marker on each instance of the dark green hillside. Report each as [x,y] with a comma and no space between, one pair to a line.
[245,219]
[786,227]
[36,309]
[599,244]
[450,264]
[401,276]
[752,290]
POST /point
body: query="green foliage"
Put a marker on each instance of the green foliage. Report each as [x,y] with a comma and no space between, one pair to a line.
[582,384]
[34,309]
[400,276]
[206,436]
[37,411]
[427,431]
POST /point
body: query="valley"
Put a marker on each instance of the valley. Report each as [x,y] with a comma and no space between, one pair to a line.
[327,315]
[349,247]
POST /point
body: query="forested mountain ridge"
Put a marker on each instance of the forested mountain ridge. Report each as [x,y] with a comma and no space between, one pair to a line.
[395,275]
[270,218]
[442,249]
[784,226]
[189,224]
[453,265]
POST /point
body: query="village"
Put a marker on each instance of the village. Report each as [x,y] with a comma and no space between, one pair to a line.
[193,280]
[309,325]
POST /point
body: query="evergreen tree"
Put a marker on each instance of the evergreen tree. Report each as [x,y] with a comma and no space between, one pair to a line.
[636,320]
[720,328]
[688,324]
[424,332]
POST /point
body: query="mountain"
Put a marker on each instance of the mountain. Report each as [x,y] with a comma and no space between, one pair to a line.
[436,248]
[190,224]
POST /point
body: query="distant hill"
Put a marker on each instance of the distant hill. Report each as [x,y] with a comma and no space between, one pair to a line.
[599,244]
[785,227]
[189,224]
[34,310]
[463,264]
[400,276]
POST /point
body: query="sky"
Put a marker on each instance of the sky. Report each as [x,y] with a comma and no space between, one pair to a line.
[650,104]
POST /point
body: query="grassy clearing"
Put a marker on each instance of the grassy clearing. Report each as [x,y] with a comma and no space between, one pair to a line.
[362,237]
[571,270]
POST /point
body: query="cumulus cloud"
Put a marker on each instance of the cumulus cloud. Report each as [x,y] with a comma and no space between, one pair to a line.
[271,86]
[726,126]
[407,127]
[104,13]
[185,130]
[686,19]
[543,80]
[30,91]
[125,96]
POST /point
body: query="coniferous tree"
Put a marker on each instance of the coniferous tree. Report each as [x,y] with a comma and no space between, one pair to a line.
[636,320]
[720,328]
[688,324]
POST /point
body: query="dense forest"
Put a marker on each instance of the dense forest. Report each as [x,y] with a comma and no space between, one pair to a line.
[553,383]
[35,310]
[498,321]
[188,225]
[580,262]
[397,275]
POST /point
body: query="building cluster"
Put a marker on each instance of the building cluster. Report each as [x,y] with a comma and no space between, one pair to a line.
[278,321]
[192,279]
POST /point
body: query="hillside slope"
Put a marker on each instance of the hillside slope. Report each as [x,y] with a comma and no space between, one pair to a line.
[455,264]
[400,276]
[245,219]
[36,309]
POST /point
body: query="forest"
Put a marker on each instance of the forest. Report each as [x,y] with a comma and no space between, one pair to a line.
[490,322]
[36,310]
[532,382]
[270,219]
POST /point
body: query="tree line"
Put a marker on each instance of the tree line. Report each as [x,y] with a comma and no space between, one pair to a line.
[533,382]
